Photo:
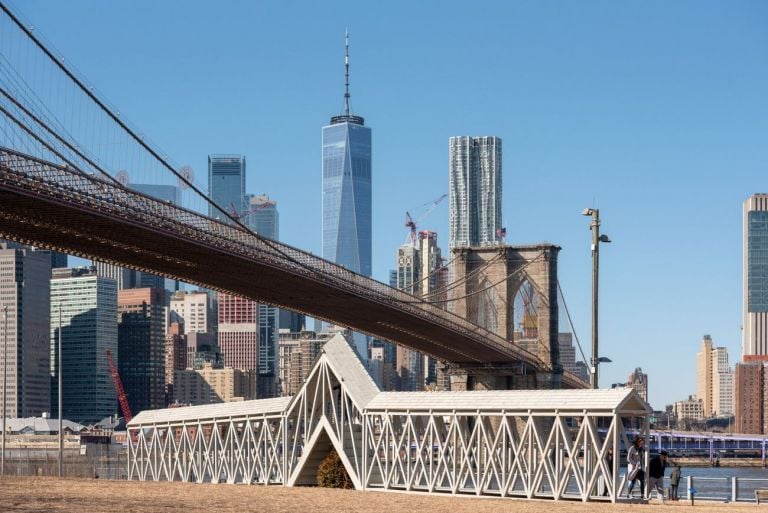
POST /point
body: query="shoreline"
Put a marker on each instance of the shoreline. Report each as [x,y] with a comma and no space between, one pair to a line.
[724,463]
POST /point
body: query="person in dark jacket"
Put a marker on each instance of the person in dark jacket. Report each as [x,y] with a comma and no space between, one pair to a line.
[674,481]
[656,469]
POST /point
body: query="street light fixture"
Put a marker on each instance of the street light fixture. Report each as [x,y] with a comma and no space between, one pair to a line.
[5,374]
[595,361]
[61,402]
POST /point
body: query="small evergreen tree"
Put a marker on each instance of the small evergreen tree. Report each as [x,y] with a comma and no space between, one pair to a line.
[332,474]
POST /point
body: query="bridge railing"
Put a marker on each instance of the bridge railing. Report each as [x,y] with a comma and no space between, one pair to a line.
[91,192]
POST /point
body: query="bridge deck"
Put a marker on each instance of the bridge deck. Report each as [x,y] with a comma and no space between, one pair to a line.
[64,209]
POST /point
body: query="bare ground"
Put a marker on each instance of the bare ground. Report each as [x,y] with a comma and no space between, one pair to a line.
[102,496]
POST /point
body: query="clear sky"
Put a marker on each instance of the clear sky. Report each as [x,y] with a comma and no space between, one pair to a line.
[656,112]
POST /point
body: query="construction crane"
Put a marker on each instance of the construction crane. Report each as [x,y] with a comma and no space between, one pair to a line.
[412,223]
[121,397]
[250,209]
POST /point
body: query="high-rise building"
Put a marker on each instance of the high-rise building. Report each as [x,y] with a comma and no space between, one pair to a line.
[25,330]
[263,216]
[175,356]
[195,310]
[88,325]
[124,278]
[638,381]
[202,349]
[209,384]
[714,380]
[381,366]
[408,269]
[475,191]
[166,193]
[264,219]
[291,321]
[748,396]
[568,357]
[239,331]
[141,347]
[226,185]
[298,353]
[58,260]
[347,203]
[755,269]
[418,263]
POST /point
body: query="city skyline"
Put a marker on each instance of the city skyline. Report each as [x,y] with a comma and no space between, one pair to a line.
[585,142]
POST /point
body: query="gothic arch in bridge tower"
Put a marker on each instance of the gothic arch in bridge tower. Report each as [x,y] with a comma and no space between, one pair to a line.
[488,307]
[505,272]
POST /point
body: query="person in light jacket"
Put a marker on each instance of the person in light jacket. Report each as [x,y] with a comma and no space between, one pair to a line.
[674,481]
[636,466]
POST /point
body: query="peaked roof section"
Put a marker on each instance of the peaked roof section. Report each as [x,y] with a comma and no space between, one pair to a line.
[350,370]
[346,365]
[512,400]
[275,405]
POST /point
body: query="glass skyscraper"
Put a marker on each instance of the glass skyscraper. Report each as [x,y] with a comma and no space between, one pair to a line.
[264,219]
[755,329]
[475,191]
[88,306]
[226,184]
[347,193]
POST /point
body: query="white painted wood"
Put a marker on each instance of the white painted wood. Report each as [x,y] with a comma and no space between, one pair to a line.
[526,444]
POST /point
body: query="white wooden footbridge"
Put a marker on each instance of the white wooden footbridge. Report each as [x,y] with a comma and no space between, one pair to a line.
[523,443]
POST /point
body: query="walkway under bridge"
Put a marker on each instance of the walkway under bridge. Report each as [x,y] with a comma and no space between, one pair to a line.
[527,444]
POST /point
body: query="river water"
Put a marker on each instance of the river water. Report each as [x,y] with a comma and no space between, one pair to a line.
[716,482]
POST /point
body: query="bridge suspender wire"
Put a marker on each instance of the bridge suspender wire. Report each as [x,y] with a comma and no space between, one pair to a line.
[58,137]
[436,270]
[493,285]
[450,286]
[139,140]
[573,329]
[37,138]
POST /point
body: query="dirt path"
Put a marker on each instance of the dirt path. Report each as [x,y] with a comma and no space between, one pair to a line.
[100,496]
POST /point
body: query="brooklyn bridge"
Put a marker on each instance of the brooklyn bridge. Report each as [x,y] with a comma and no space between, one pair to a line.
[63,149]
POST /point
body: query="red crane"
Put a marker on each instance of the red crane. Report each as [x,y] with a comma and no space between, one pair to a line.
[251,209]
[411,223]
[121,397]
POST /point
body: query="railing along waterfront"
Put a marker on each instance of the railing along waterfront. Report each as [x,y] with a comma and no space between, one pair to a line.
[727,489]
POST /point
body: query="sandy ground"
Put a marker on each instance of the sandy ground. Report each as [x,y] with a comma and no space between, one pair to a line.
[101,496]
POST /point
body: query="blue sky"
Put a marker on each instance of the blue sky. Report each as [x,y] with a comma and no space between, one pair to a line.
[654,112]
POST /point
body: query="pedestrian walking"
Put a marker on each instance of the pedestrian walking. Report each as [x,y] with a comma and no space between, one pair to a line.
[656,469]
[674,481]
[609,464]
[635,464]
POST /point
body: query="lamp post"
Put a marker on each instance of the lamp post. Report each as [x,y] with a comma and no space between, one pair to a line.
[596,240]
[61,431]
[5,374]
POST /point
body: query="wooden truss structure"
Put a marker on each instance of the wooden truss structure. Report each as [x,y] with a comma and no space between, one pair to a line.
[555,444]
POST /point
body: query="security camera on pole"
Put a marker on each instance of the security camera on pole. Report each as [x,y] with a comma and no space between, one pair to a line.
[596,240]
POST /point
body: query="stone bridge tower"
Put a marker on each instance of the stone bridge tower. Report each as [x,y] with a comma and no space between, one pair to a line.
[487,280]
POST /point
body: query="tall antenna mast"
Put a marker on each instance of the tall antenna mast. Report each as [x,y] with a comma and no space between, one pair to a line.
[346,73]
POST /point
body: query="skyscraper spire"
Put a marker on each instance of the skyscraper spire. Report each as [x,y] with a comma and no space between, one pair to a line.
[346,115]
[346,73]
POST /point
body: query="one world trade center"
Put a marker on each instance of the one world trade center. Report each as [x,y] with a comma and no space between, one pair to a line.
[347,192]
